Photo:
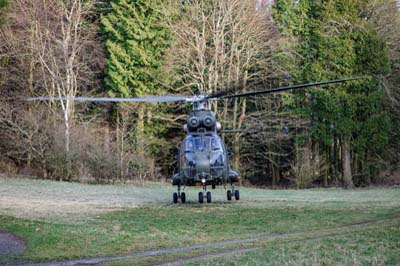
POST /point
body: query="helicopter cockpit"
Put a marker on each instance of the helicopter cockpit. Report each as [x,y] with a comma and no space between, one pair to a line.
[202,143]
[202,156]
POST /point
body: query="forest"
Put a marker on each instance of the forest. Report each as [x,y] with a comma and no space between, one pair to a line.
[345,135]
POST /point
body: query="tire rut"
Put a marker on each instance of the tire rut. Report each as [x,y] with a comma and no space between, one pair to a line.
[149,253]
[241,250]
[10,245]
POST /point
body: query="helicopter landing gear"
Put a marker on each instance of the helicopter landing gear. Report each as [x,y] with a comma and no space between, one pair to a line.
[237,195]
[201,197]
[229,195]
[232,192]
[208,197]
[207,194]
[179,195]
[183,197]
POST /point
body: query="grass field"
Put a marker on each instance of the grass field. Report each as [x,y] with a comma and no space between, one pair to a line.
[63,221]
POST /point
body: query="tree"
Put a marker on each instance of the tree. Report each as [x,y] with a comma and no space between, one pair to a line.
[48,48]
[3,3]
[348,121]
[222,45]
[62,53]
[136,43]
[385,16]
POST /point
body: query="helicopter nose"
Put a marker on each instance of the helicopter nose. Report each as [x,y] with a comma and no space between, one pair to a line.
[202,163]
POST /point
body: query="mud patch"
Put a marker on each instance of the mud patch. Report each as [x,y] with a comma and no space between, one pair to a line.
[10,245]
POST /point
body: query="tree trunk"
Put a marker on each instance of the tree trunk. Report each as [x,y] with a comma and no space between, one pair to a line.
[327,153]
[335,161]
[346,160]
[140,130]
[67,129]
[31,92]
[120,142]
[224,117]
[273,175]
[307,174]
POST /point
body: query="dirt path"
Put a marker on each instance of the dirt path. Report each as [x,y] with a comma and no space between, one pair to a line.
[98,260]
[241,250]
[10,245]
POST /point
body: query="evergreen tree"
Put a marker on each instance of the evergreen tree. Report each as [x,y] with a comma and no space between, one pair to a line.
[334,40]
[3,4]
[136,42]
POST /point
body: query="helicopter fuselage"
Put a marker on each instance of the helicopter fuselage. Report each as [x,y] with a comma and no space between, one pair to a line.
[203,160]
[203,156]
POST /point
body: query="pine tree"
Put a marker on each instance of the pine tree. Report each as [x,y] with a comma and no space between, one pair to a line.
[136,42]
[3,4]
[335,40]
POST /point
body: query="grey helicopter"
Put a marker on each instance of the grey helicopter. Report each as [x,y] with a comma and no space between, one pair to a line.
[204,159]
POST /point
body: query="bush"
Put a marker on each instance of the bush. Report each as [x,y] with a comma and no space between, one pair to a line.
[94,157]
[34,144]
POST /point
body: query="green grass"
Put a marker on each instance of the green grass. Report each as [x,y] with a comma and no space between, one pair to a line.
[376,246]
[156,223]
[295,249]
[154,227]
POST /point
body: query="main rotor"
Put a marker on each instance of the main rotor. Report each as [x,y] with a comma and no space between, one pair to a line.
[199,101]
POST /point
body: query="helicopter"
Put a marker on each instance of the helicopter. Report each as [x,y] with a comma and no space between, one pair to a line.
[203,156]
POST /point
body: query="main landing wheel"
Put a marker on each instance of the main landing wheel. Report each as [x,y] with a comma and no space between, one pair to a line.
[175,197]
[208,196]
[229,195]
[183,197]
[237,195]
[201,197]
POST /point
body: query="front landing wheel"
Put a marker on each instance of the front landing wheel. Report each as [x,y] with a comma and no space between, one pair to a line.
[201,197]
[208,197]
[229,195]
[237,195]
[183,197]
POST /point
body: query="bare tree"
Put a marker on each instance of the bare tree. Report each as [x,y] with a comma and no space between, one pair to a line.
[223,45]
[21,74]
[47,47]
[63,53]
[24,136]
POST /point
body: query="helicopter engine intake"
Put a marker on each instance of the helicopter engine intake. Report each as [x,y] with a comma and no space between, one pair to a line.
[201,120]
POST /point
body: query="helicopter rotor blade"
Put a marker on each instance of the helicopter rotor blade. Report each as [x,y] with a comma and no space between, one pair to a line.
[145,99]
[195,98]
[228,131]
[221,95]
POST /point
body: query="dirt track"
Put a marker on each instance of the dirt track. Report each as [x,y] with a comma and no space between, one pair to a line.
[10,245]
[321,234]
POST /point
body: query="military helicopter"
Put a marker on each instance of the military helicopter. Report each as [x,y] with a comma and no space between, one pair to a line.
[203,156]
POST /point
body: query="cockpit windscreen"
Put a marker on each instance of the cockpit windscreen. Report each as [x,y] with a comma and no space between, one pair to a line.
[205,143]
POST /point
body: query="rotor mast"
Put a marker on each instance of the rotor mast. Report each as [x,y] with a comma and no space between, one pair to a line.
[197,106]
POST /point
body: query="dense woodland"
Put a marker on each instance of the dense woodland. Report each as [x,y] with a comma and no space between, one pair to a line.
[339,135]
